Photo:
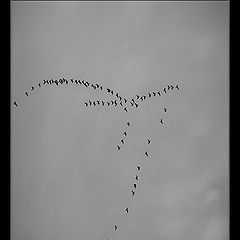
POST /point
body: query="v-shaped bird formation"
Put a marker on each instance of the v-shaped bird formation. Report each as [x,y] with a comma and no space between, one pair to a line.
[117,101]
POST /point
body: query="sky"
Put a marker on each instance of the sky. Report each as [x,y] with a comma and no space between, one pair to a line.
[68,181]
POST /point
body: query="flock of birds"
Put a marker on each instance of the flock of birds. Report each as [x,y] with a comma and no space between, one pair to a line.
[124,103]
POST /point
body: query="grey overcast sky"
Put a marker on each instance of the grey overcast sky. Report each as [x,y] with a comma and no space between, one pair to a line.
[68,181]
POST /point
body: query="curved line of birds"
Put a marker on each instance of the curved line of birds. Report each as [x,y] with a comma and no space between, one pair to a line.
[120,101]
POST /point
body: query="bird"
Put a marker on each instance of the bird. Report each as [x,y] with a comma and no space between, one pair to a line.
[128,123]
[154,94]
[86,104]
[165,90]
[168,87]
[44,81]
[94,103]
[122,141]
[126,109]
[146,153]
[120,98]
[108,103]
[118,147]
[112,92]
[138,167]
[66,82]
[101,87]
[97,85]
[161,121]
[32,88]
[115,227]
[136,177]
[177,87]
[76,81]
[131,103]
[121,103]
[103,103]
[149,94]
[117,95]
[144,97]
[126,210]
[148,141]
[125,100]
[137,96]
[79,81]
[125,133]
[56,82]
[135,185]
[39,84]
[141,98]
[90,102]
[71,80]
[15,104]
[165,109]
[98,102]
[108,89]
[133,193]
[26,93]
[133,100]
[172,87]
[136,104]
[159,93]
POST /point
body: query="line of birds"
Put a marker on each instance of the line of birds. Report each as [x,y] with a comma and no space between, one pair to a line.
[136,178]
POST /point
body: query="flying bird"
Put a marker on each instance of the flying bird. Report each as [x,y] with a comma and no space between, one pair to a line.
[131,103]
[120,98]
[161,121]
[172,87]
[71,80]
[148,141]
[108,89]
[168,87]
[112,92]
[149,94]
[165,109]
[94,103]
[26,93]
[138,167]
[165,90]
[135,185]
[90,102]
[125,100]
[121,103]
[108,103]
[137,96]
[115,227]
[125,133]
[128,123]
[97,85]
[103,103]
[117,95]
[177,87]
[133,193]
[136,104]
[118,147]
[159,93]
[98,102]
[146,153]
[56,82]
[32,88]
[136,177]
[153,93]
[39,84]
[15,104]
[126,109]
[122,141]
[101,87]
[126,210]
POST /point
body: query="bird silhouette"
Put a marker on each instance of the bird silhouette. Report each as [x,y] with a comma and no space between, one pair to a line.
[135,185]
[146,153]
[56,82]
[76,81]
[172,87]
[109,90]
[103,103]
[128,123]
[168,87]
[159,93]
[97,85]
[15,104]
[108,103]
[126,109]
[165,90]
[136,104]
[98,102]
[86,104]
[125,133]
[154,94]
[120,98]
[148,141]
[177,87]
[26,93]
[122,141]
[117,95]
[133,193]
[115,227]
[112,92]
[90,103]
[121,103]
[71,80]
[39,84]
[32,88]
[137,96]
[149,94]
[131,103]
[94,103]
[138,167]
[118,147]
[136,177]
[165,109]
[141,98]
[125,100]
[101,87]
[126,210]
[161,121]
